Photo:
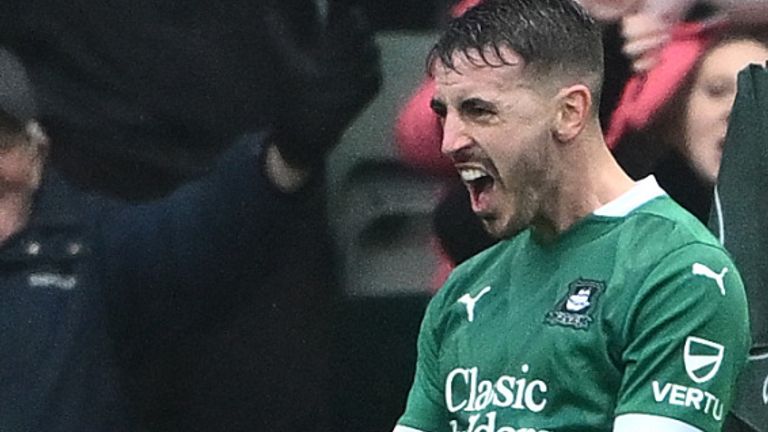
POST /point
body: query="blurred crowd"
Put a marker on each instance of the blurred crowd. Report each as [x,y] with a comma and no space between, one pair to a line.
[164,244]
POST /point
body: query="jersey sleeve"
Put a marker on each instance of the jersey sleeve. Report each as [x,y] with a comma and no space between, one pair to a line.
[425,409]
[686,337]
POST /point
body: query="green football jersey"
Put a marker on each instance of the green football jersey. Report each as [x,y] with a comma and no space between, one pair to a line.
[634,310]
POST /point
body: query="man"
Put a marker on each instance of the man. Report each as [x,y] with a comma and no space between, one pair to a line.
[66,258]
[607,306]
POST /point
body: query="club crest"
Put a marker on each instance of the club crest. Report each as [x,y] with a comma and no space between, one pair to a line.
[575,309]
[702,359]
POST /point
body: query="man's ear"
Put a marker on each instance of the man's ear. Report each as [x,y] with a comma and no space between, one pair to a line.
[574,110]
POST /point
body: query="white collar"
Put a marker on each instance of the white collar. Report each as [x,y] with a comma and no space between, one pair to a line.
[642,192]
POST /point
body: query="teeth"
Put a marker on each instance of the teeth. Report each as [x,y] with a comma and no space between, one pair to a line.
[469,175]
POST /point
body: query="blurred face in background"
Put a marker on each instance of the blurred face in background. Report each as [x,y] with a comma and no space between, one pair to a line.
[710,103]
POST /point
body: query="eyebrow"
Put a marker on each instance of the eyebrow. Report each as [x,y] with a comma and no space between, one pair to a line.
[475,103]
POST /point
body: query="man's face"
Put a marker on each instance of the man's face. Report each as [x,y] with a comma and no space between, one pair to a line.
[497,131]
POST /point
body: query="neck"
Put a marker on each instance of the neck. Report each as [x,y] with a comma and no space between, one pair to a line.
[589,178]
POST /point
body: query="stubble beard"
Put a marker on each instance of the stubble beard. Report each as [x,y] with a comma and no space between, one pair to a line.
[537,184]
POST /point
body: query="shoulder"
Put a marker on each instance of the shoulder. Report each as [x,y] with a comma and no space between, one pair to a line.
[662,241]
[665,221]
[679,270]
[663,233]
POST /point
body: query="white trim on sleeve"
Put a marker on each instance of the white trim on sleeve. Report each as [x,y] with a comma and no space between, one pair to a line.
[648,422]
[401,428]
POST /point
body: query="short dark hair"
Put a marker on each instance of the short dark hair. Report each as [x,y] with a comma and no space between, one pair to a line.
[555,38]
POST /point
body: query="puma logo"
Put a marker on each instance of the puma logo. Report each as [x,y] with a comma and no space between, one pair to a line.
[470,302]
[702,270]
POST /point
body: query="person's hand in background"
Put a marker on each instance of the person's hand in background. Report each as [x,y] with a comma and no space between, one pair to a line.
[644,34]
[647,25]
[647,30]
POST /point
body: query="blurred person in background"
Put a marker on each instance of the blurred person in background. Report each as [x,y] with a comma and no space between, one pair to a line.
[68,257]
[140,97]
[209,302]
[673,118]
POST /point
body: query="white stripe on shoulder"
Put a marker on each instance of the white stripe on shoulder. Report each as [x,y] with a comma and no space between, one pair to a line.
[401,428]
[648,422]
[642,192]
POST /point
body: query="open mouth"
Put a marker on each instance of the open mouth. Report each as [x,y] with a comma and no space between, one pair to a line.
[479,184]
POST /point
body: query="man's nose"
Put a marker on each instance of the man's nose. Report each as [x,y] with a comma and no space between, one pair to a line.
[455,137]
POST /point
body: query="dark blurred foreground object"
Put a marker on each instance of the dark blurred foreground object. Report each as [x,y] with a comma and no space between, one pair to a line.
[140,95]
[374,359]
[738,218]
